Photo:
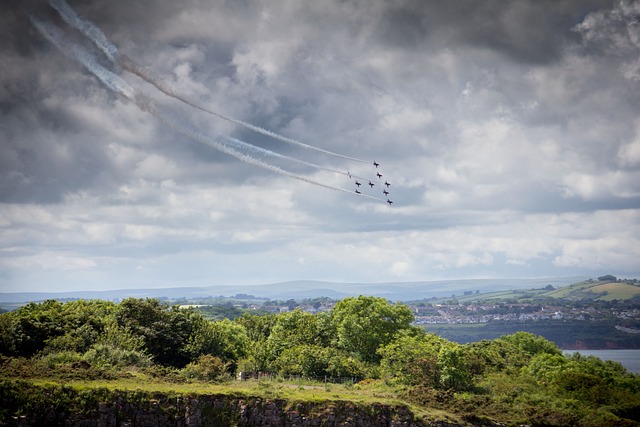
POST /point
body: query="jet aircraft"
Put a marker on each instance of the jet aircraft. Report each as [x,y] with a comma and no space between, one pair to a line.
[379,174]
[371,184]
[376,164]
[358,191]
[387,184]
[389,201]
[358,184]
[386,193]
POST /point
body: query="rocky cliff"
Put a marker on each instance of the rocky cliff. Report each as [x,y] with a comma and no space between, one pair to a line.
[24,404]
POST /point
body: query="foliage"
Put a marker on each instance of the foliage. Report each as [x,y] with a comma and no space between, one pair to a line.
[61,326]
[298,328]
[412,359]
[107,355]
[165,330]
[258,328]
[224,339]
[317,362]
[453,371]
[207,367]
[365,324]
[531,344]
[219,312]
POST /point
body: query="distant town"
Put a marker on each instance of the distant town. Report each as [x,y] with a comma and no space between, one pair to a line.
[516,306]
[455,312]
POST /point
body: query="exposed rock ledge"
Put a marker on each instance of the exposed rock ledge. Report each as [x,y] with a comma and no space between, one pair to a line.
[64,406]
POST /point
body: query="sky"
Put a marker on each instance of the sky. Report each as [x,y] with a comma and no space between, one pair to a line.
[509,131]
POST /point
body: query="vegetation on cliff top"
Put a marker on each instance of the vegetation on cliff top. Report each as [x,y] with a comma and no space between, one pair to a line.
[364,348]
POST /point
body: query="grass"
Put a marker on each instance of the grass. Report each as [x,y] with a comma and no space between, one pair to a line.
[597,290]
[602,291]
[307,391]
[616,291]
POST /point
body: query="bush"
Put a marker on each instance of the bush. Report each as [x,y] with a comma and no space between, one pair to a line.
[105,355]
[52,360]
[207,368]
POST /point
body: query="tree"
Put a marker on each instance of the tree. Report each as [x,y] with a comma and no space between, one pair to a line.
[317,362]
[454,373]
[223,339]
[412,359]
[531,344]
[494,356]
[546,367]
[61,326]
[366,323]
[298,328]
[165,330]
[258,328]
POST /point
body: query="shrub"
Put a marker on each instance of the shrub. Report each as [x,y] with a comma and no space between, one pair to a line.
[207,368]
[52,360]
[105,355]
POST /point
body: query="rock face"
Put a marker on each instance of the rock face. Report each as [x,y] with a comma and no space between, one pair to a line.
[127,408]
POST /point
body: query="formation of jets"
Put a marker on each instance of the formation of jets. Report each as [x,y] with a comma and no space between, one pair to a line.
[371,184]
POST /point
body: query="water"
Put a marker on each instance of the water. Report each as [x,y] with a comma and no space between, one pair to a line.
[630,359]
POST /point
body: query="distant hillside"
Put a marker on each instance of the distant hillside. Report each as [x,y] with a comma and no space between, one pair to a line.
[601,291]
[594,290]
[394,291]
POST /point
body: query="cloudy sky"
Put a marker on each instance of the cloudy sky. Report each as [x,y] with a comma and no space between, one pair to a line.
[509,131]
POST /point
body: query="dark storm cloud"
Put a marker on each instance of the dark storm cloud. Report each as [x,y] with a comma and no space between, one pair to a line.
[59,153]
[38,156]
[526,31]
[57,122]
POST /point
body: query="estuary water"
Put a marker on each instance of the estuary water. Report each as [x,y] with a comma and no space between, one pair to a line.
[630,359]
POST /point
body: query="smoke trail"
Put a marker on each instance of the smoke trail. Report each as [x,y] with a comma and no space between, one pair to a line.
[268,153]
[86,27]
[243,156]
[119,85]
[168,89]
[101,40]
[57,38]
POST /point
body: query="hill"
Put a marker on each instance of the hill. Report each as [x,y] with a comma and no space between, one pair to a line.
[589,290]
[394,291]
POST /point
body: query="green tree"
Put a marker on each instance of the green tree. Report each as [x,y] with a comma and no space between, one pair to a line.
[545,367]
[304,359]
[531,344]
[317,362]
[296,328]
[258,328]
[494,356]
[366,323]
[454,373]
[412,360]
[63,326]
[165,330]
[224,339]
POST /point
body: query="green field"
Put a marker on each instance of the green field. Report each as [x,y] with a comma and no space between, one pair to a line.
[587,290]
